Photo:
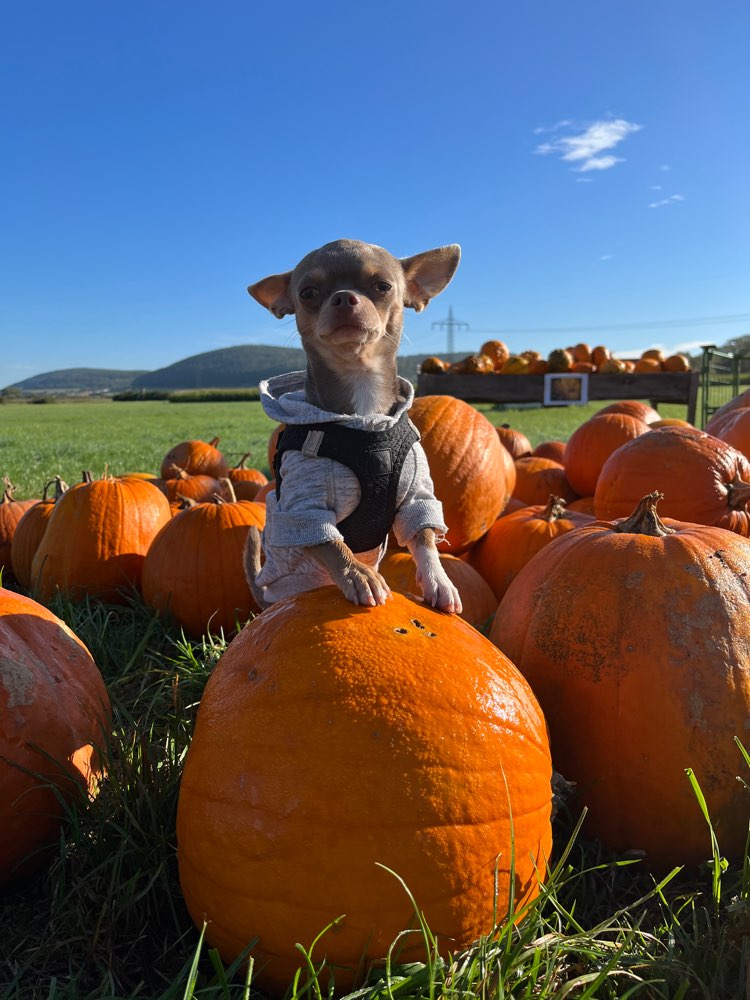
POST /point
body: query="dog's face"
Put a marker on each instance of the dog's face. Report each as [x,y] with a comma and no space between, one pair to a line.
[349,296]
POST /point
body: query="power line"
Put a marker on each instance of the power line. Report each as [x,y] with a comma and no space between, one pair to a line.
[642,325]
[451,325]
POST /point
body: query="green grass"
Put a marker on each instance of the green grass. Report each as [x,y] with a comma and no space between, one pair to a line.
[107,920]
[39,442]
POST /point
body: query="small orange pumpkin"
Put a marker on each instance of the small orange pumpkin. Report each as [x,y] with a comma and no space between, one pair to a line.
[30,531]
[537,478]
[197,458]
[514,441]
[193,569]
[479,603]
[11,512]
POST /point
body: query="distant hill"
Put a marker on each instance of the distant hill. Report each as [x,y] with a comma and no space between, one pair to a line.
[79,380]
[226,368]
[243,367]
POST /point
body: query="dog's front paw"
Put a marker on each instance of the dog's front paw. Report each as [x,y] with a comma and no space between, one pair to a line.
[362,584]
[440,592]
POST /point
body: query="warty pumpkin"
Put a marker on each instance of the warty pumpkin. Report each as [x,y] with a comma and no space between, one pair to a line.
[193,569]
[472,473]
[703,479]
[322,752]
[97,538]
[630,632]
[54,717]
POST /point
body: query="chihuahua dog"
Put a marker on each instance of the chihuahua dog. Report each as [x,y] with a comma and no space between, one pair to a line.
[349,466]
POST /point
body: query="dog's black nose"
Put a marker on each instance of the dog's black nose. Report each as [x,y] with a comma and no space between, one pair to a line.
[344,298]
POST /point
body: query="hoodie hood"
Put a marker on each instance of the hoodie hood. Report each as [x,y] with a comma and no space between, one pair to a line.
[283,399]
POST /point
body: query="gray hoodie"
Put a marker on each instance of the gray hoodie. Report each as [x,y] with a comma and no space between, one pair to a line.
[318,492]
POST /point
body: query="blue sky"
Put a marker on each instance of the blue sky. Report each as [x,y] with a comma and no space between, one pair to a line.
[590,157]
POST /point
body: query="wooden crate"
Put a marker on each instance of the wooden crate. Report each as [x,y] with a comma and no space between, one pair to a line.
[659,387]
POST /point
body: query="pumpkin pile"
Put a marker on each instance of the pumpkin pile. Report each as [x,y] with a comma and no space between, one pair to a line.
[495,358]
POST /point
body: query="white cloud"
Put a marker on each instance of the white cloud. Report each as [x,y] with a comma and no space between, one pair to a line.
[606,256]
[583,146]
[667,201]
[656,187]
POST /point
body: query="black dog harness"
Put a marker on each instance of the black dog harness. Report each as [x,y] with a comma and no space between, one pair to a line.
[375,457]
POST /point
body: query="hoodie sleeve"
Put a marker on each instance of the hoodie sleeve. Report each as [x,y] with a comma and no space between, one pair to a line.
[306,512]
[418,507]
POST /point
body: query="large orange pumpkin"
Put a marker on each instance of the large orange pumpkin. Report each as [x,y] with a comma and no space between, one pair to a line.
[591,444]
[334,739]
[630,635]
[54,712]
[727,411]
[633,407]
[735,430]
[513,540]
[472,473]
[97,538]
[193,569]
[703,479]
[479,603]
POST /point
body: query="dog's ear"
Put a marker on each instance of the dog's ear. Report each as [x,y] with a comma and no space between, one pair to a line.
[428,273]
[273,293]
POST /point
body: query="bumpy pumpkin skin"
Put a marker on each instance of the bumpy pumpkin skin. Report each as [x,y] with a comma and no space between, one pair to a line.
[193,569]
[638,648]
[52,697]
[472,473]
[703,479]
[332,738]
[97,538]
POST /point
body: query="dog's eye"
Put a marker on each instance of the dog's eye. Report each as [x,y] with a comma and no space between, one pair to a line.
[383,286]
[308,293]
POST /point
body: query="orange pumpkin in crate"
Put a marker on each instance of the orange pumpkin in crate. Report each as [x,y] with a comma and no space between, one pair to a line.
[321,754]
[473,474]
[54,717]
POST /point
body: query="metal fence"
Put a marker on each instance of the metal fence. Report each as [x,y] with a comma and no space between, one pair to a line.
[723,376]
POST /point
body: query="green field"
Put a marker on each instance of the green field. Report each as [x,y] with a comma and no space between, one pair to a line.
[39,442]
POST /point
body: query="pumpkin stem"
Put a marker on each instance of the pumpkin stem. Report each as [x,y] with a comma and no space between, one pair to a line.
[60,488]
[184,503]
[738,493]
[241,463]
[644,520]
[227,494]
[86,476]
[8,491]
[178,473]
[214,442]
[555,508]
